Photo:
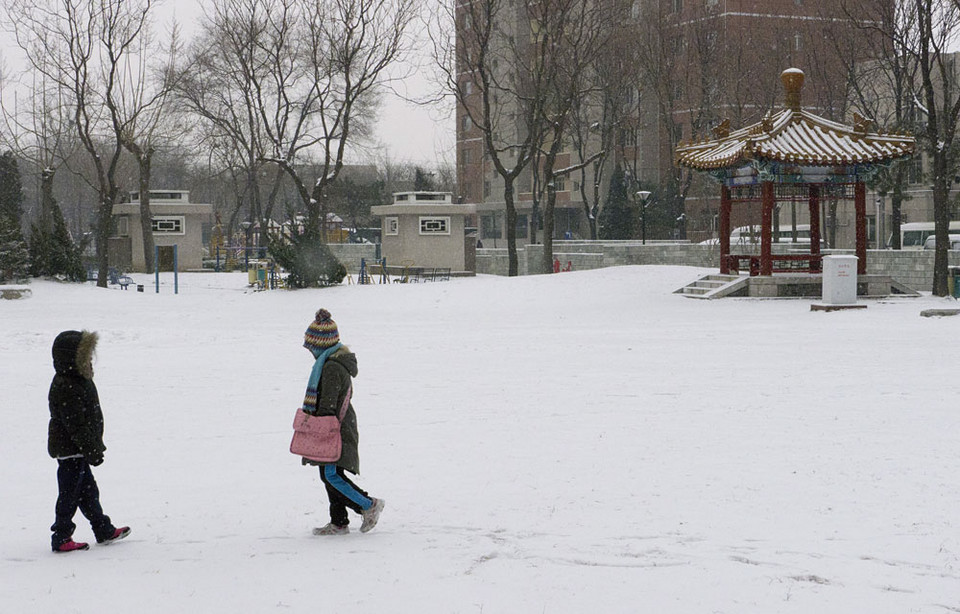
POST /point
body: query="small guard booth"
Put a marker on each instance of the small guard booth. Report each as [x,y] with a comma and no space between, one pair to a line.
[426,229]
[790,152]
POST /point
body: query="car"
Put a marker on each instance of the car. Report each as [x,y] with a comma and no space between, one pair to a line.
[931,242]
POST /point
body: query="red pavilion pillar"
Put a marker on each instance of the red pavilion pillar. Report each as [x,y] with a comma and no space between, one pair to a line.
[766,229]
[860,203]
[724,230]
[814,201]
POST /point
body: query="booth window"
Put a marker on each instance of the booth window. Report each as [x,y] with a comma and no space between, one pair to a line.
[391,226]
[434,225]
[167,224]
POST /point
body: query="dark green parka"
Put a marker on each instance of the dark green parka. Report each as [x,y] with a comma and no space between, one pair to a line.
[76,421]
[335,380]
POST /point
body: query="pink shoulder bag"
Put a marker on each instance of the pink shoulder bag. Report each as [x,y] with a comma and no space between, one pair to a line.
[317,438]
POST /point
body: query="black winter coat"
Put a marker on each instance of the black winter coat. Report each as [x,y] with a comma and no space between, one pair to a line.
[76,421]
[335,380]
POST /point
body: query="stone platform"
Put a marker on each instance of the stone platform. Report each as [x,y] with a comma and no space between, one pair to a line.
[788,285]
[811,285]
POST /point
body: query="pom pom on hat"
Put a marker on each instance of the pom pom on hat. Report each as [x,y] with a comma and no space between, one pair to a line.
[322,332]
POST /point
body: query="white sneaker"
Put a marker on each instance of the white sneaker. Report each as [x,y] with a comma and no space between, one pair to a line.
[331,529]
[372,515]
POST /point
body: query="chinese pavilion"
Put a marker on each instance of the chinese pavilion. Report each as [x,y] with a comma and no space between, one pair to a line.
[786,152]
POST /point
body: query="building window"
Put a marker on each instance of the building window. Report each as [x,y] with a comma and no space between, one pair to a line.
[560,183]
[135,196]
[797,41]
[465,123]
[167,224]
[466,156]
[677,6]
[486,188]
[490,226]
[434,225]
[915,170]
[391,226]
[123,226]
[522,231]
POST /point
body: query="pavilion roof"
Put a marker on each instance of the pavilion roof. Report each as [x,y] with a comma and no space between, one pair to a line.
[795,136]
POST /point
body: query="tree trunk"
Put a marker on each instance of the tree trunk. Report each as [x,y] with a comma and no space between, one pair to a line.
[47,200]
[941,223]
[896,215]
[104,230]
[594,217]
[548,225]
[513,268]
[146,216]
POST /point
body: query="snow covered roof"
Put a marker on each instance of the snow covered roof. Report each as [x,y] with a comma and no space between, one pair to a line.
[795,136]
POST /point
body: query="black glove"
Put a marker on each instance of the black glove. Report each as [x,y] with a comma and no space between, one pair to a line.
[95,459]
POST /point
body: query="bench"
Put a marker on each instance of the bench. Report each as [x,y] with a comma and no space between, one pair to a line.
[781,263]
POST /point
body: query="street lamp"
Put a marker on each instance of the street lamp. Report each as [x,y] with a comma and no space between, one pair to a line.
[246,243]
[643,196]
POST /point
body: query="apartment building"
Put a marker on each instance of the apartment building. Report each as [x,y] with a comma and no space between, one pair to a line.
[694,63]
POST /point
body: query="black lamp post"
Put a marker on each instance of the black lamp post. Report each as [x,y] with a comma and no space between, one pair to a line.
[643,196]
[246,243]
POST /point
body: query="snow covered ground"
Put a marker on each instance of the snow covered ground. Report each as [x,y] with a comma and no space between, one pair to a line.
[583,442]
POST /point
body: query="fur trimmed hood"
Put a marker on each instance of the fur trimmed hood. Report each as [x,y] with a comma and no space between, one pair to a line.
[73,353]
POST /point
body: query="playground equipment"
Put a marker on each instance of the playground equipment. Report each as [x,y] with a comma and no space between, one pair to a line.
[380,272]
[264,274]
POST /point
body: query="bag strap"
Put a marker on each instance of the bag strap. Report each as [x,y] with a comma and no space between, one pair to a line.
[346,403]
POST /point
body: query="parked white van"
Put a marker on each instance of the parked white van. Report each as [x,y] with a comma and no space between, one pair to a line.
[931,242]
[914,235]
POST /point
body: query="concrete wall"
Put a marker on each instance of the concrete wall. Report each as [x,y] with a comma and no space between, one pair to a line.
[913,268]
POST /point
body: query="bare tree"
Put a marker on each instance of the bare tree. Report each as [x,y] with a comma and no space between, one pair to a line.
[296,82]
[217,87]
[499,69]
[606,120]
[145,113]
[581,32]
[882,75]
[939,101]
[83,46]
[39,132]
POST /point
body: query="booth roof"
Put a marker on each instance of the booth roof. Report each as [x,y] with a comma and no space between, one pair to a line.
[798,137]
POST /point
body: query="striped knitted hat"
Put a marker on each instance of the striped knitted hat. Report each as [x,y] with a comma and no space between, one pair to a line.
[322,332]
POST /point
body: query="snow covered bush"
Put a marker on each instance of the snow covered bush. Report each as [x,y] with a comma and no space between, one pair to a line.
[308,260]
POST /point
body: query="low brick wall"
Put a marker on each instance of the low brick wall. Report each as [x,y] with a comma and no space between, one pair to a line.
[913,268]
[349,254]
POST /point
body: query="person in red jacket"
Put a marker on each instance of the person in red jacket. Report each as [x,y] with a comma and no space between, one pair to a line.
[75,439]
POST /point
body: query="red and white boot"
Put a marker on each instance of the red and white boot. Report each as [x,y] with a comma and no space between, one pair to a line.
[117,536]
[71,546]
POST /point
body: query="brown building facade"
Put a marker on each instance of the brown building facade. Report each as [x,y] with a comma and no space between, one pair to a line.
[697,63]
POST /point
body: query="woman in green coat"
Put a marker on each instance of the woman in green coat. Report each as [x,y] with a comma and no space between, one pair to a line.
[329,387]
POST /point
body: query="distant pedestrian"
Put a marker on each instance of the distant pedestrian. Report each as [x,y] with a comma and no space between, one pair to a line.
[75,439]
[330,387]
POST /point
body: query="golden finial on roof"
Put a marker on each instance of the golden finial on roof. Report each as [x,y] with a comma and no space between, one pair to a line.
[792,79]
[722,130]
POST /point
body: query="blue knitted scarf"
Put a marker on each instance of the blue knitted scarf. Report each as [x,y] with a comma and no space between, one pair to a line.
[313,384]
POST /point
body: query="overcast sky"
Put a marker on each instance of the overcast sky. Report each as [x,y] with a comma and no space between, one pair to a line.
[422,134]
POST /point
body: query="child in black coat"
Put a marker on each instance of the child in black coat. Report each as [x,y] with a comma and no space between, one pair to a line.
[75,439]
